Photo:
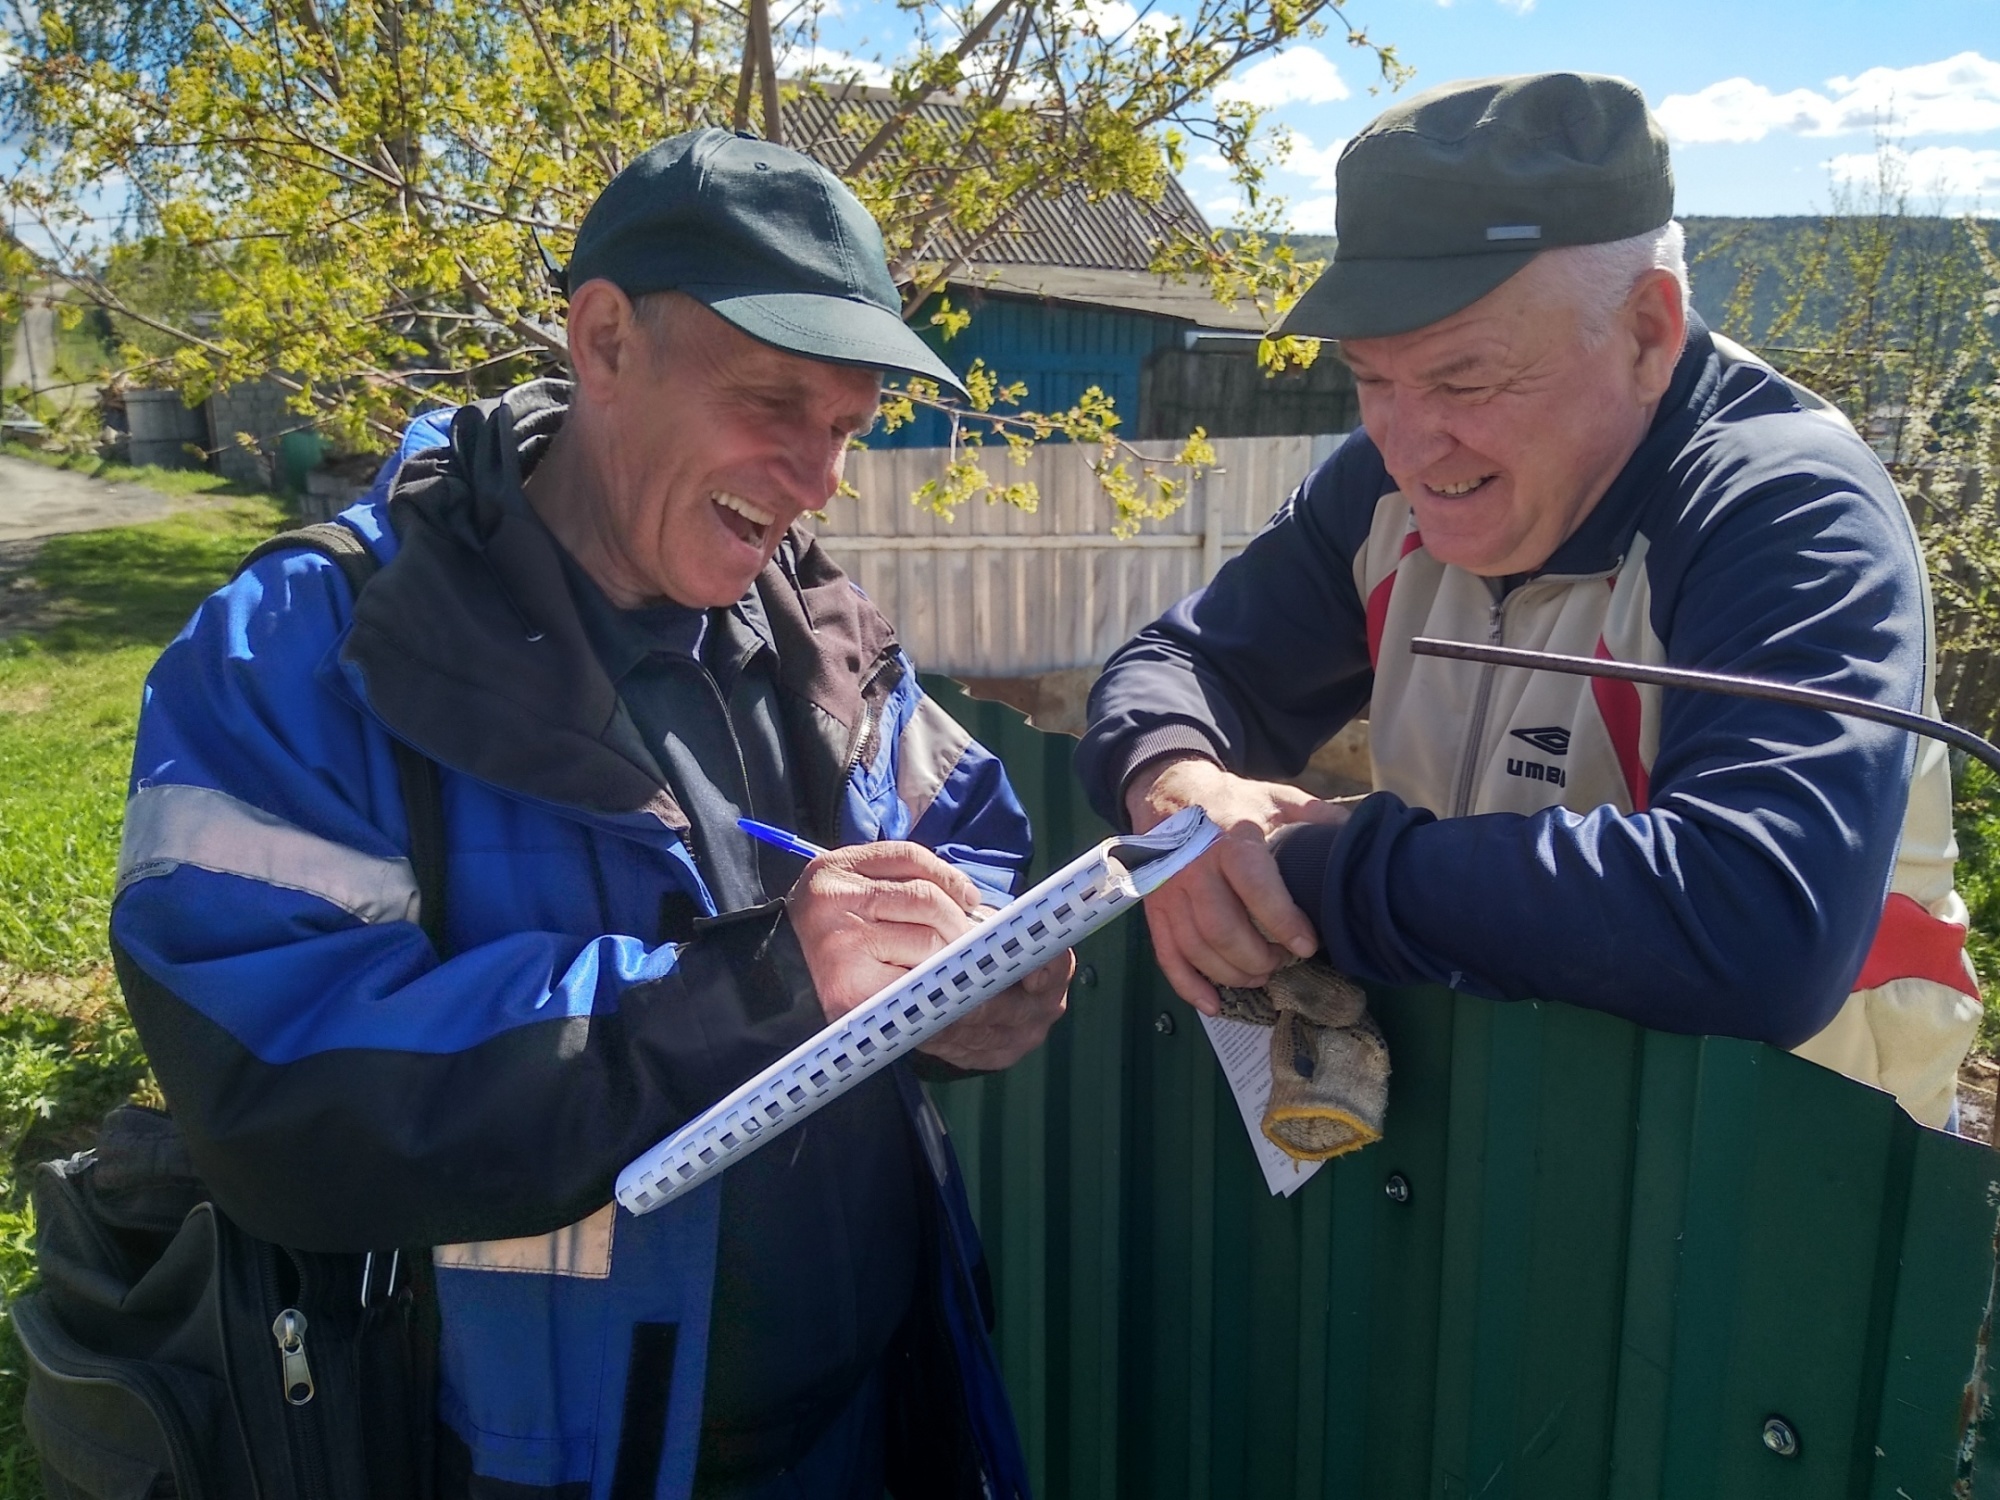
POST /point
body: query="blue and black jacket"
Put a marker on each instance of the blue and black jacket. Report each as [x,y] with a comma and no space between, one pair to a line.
[345,1085]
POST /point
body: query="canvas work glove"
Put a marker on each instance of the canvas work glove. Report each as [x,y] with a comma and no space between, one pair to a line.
[1329,1063]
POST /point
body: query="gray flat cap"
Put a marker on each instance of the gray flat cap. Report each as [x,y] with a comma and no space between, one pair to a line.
[1446,195]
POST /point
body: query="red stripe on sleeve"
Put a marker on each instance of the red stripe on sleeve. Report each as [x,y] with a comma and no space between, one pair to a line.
[1913,944]
[1618,706]
[1378,598]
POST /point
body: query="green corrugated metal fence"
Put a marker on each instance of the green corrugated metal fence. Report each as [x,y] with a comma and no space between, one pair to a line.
[1621,1254]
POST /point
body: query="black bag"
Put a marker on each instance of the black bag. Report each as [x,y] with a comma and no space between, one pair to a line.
[172,1354]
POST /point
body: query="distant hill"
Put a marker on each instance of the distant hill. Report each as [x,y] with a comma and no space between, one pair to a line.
[1720,250]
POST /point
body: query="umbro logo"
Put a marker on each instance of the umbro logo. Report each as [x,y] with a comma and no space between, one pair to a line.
[1553,740]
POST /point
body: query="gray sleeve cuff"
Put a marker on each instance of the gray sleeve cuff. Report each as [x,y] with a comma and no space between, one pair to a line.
[1158,744]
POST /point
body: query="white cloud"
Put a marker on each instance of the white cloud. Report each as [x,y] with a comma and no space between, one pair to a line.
[826,63]
[1315,163]
[1519,7]
[1738,110]
[1958,96]
[1114,18]
[1931,172]
[1208,161]
[1297,75]
[1313,216]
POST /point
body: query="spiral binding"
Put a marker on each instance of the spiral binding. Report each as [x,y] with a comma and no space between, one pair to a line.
[1057,914]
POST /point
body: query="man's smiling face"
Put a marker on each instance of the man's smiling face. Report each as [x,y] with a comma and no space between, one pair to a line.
[721,443]
[737,443]
[1502,425]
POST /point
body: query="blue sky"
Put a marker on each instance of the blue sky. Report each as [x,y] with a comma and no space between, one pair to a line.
[1768,105]
[1765,103]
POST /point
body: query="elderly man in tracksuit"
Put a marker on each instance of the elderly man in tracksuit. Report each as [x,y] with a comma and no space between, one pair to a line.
[1555,454]
[594,615]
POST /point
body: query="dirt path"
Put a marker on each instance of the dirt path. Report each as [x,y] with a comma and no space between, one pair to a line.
[37,501]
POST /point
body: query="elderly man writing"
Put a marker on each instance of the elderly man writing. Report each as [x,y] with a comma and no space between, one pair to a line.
[1555,454]
[594,614]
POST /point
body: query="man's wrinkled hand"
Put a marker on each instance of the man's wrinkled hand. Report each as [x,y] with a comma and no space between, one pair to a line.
[1012,1024]
[1227,918]
[867,914]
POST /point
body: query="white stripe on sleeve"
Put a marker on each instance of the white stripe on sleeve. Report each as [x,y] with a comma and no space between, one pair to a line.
[170,826]
[927,753]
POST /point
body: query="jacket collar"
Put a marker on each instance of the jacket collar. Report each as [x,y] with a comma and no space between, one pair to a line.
[469,646]
[1604,538]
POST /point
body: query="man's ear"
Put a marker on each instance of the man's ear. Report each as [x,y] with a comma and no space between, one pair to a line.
[603,336]
[1657,318]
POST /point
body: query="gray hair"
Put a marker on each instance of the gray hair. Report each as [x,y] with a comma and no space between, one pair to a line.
[663,315]
[1596,279]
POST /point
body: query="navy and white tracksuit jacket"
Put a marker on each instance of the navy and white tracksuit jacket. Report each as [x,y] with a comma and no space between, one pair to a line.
[1693,862]
[344,1086]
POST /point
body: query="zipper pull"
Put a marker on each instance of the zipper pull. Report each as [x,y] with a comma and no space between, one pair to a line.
[289,1330]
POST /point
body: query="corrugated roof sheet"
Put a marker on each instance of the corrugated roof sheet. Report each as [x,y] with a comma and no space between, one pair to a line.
[1134,291]
[1116,233]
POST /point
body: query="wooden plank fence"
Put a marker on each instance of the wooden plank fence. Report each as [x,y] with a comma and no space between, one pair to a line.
[999,592]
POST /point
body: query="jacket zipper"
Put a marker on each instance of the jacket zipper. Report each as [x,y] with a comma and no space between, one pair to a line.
[1496,630]
[1461,797]
[722,707]
[864,727]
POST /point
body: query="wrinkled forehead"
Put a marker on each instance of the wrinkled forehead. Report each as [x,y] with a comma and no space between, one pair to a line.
[1522,321]
[747,368]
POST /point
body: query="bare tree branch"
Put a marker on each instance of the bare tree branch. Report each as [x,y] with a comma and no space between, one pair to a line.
[767,70]
[914,94]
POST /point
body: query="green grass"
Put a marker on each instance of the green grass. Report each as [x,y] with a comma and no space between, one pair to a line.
[81,353]
[69,701]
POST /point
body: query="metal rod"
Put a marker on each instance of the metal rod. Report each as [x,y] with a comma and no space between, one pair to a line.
[1726,683]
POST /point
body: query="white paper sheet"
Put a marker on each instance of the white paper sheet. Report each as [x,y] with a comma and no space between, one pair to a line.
[1244,1051]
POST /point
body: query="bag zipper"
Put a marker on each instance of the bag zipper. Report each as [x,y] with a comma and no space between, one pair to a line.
[53,1349]
[303,1433]
[289,1329]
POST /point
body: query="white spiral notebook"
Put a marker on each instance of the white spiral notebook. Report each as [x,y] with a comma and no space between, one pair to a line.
[1057,914]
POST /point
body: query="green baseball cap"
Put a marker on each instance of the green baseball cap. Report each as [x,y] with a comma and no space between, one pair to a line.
[763,237]
[1446,195]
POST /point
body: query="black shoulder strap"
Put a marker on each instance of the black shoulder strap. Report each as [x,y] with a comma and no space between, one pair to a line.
[416,773]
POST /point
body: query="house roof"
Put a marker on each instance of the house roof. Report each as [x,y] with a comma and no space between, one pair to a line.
[1067,248]
[1135,291]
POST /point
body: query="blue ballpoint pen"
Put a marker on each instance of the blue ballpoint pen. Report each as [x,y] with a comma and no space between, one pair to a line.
[791,843]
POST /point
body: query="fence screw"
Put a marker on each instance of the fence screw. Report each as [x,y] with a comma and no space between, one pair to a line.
[1397,1188]
[1086,976]
[1780,1437]
[1164,1024]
